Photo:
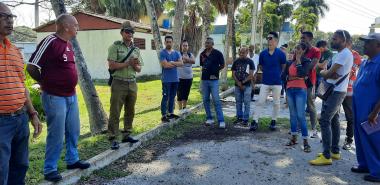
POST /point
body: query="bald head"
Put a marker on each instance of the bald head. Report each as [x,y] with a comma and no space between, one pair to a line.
[66,25]
[243,52]
[6,20]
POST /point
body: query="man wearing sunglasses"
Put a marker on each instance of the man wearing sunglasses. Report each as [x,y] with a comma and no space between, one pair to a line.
[15,105]
[337,75]
[272,62]
[125,59]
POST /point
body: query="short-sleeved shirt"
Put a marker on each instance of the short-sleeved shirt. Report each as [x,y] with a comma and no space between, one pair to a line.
[186,71]
[55,58]
[169,74]
[242,68]
[272,66]
[12,88]
[313,53]
[345,59]
[211,64]
[117,52]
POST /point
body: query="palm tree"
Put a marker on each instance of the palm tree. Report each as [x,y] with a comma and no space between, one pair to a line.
[97,116]
[150,6]
[130,9]
[178,23]
[229,7]
[305,19]
[318,7]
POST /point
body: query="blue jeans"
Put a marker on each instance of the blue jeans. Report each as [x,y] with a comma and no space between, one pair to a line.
[243,97]
[62,116]
[297,103]
[212,87]
[169,90]
[14,138]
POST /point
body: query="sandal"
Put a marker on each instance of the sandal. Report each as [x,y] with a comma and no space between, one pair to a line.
[306,148]
[292,141]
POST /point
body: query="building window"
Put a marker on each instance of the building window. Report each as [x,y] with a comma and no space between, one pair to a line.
[140,43]
[153,45]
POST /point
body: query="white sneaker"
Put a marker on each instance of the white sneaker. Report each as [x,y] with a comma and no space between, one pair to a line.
[314,134]
[209,122]
[182,111]
[222,125]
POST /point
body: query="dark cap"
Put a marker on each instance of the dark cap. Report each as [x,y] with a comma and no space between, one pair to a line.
[127,26]
[371,36]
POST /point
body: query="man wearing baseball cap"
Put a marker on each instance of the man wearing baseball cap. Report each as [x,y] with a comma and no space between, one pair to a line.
[124,60]
[366,106]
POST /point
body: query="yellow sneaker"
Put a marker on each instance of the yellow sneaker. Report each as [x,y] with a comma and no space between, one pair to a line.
[333,156]
[320,161]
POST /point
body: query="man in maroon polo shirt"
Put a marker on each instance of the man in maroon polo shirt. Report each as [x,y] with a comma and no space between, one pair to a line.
[53,66]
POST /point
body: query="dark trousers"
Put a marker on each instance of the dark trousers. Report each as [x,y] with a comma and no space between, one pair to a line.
[329,122]
[122,94]
[14,138]
[169,90]
[347,107]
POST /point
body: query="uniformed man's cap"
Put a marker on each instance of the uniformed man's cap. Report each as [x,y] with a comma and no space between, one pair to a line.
[371,36]
[127,26]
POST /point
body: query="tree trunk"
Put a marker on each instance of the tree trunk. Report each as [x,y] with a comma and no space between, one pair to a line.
[205,29]
[227,44]
[178,23]
[97,117]
[254,23]
[154,25]
[261,24]
[233,43]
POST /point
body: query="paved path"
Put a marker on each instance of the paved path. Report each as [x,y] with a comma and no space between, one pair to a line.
[255,159]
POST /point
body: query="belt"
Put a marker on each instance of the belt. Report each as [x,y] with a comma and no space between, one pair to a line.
[16,113]
[126,79]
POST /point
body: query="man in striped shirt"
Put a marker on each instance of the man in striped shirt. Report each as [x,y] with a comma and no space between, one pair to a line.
[15,105]
[53,66]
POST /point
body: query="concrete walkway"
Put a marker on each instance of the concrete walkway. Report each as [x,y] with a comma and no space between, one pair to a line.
[254,159]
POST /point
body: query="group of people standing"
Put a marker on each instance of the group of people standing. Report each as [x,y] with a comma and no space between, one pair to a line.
[52,65]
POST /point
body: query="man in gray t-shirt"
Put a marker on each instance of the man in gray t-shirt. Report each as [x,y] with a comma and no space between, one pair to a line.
[185,74]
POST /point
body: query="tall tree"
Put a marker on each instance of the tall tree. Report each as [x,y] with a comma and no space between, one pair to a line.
[178,23]
[318,7]
[150,6]
[130,9]
[97,116]
[305,19]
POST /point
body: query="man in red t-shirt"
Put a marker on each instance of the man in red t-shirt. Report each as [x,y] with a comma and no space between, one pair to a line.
[314,55]
[347,103]
[52,65]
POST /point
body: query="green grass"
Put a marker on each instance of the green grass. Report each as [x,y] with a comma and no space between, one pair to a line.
[147,117]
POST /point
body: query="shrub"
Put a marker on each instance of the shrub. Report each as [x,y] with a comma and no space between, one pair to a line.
[35,95]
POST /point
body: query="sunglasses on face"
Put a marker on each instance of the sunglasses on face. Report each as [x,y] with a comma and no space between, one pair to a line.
[128,31]
[7,16]
[269,38]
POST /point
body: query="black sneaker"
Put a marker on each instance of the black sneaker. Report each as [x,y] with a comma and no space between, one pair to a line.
[272,125]
[254,126]
[165,119]
[53,176]
[79,164]
[237,121]
[245,123]
[115,145]
[129,140]
[173,116]
[371,178]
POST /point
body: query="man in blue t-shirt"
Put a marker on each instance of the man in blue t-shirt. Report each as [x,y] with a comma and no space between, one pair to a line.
[170,59]
[272,62]
[212,62]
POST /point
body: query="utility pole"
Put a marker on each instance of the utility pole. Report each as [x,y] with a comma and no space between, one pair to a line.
[254,23]
[261,24]
[36,14]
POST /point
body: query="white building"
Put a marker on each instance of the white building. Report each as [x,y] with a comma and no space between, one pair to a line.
[98,32]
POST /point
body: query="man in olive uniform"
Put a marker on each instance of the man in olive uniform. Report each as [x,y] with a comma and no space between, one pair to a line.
[125,60]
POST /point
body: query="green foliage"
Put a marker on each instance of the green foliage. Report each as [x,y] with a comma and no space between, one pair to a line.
[23,34]
[305,19]
[34,94]
[357,44]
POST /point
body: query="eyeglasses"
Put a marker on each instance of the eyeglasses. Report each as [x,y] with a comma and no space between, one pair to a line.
[128,31]
[269,38]
[7,16]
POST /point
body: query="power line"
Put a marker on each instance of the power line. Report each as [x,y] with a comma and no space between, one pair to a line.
[369,10]
[353,12]
[356,9]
